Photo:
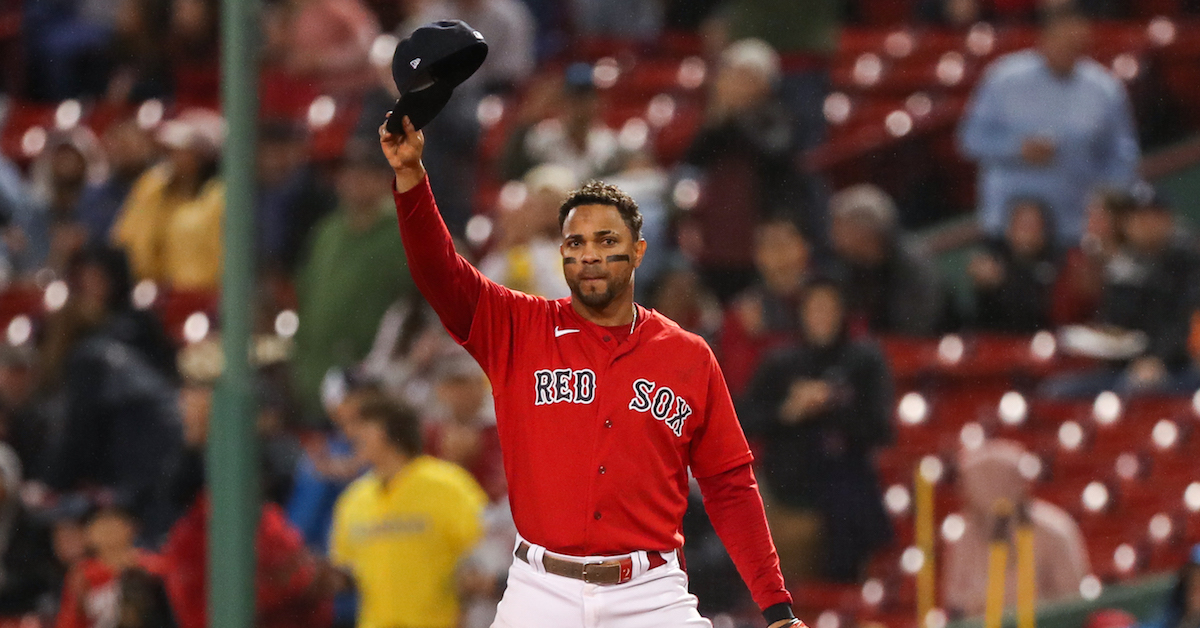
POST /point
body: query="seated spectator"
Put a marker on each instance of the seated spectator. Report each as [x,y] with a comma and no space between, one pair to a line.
[292,197]
[559,122]
[679,295]
[463,429]
[193,46]
[355,269]
[647,183]
[764,316]
[289,591]
[821,408]
[526,257]
[129,150]
[101,359]
[989,475]
[508,27]
[1080,284]
[620,19]
[326,42]
[117,584]
[409,510]
[71,161]
[1149,287]
[1014,278]
[896,288]
[170,224]
[743,159]
[22,219]
[329,463]
[407,348]
[26,554]
[141,61]
[1182,608]
[24,417]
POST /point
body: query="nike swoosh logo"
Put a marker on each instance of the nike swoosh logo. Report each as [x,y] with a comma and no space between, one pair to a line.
[559,333]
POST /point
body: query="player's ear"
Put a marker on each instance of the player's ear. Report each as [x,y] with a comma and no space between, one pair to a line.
[639,251]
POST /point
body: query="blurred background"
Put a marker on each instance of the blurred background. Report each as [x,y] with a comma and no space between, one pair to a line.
[943,249]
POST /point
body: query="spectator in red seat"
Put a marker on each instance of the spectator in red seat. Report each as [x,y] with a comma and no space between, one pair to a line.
[463,430]
[742,158]
[763,317]
[821,408]
[288,589]
[1149,288]
[1013,278]
[987,475]
[141,63]
[194,48]
[130,150]
[70,163]
[24,414]
[325,42]
[117,584]
[896,289]
[1080,284]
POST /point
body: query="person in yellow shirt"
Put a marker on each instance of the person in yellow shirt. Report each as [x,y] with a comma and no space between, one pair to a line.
[170,224]
[400,530]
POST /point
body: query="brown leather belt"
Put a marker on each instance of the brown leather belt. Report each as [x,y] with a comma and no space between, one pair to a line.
[617,571]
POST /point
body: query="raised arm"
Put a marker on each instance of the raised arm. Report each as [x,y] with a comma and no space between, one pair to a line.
[450,284]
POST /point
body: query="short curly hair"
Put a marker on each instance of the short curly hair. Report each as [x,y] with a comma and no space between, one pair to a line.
[601,193]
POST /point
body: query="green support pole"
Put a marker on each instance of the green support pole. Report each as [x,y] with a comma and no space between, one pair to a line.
[232,467]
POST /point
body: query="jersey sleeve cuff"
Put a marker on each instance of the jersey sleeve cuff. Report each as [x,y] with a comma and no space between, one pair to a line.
[778,612]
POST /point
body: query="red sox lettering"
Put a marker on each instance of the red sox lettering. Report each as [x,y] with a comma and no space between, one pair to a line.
[663,404]
[564,386]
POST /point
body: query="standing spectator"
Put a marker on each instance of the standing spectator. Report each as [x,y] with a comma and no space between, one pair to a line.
[763,317]
[559,122]
[897,289]
[805,34]
[508,27]
[1149,287]
[821,409]
[743,156]
[129,150]
[989,475]
[97,591]
[1048,123]
[1081,282]
[409,510]
[354,270]
[170,224]
[26,555]
[1014,278]
[406,351]
[527,258]
[463,431]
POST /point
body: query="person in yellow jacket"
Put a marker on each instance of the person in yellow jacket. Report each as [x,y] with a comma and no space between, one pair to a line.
[170,224]
[400,531]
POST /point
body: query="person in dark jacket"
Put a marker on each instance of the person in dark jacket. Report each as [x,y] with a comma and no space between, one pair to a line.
[1013,278]
[1149,287]
[821,408]
[27,566]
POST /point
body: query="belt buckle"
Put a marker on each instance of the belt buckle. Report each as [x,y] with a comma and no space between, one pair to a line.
[602,572]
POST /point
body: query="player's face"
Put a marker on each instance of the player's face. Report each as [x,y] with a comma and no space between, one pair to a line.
[599,254]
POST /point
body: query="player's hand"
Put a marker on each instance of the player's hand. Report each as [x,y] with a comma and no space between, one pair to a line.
[403,152]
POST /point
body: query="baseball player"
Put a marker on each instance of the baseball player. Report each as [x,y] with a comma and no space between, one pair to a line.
[603,407]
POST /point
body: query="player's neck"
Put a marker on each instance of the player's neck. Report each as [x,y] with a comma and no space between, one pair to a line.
[618,312]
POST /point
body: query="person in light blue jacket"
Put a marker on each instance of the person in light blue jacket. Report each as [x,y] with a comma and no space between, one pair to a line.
[1049,123]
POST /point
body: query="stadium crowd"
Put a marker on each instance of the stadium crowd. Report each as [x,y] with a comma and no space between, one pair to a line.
[383,489]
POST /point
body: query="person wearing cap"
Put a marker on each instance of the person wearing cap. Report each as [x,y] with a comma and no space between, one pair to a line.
[896,288]
[170,224]
[1150,286]
[987,476]
[1049,123]
[354,270]
[400,531]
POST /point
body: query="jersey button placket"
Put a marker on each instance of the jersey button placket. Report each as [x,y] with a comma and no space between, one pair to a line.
[596,515]
[602,470]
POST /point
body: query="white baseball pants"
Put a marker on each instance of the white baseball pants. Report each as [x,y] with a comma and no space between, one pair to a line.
[653,598]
